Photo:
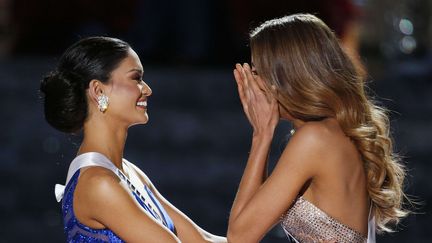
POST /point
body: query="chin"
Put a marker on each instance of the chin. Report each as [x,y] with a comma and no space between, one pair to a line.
[141,121]
[144,120]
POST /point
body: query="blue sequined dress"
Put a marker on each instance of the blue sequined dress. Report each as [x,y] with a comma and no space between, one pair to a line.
[78,232]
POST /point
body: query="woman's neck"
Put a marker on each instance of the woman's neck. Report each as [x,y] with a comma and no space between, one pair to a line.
[297,123]
[104,138]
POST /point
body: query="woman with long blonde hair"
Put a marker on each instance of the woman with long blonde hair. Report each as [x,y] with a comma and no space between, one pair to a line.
[338,179]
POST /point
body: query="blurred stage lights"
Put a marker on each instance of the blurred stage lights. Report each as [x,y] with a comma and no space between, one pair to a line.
[406,26]
[407,44]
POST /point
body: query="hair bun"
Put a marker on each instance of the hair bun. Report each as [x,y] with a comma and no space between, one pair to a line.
[64,100]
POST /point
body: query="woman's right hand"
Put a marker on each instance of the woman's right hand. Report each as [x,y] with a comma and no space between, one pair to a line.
[260,107]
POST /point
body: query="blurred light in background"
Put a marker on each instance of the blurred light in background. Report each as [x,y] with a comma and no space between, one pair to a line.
[406,26]
[408,44]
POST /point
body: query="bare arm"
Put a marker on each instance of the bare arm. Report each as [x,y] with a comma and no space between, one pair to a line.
[265,206]
[101,198]
[260,202]
[262,113]
[254,174]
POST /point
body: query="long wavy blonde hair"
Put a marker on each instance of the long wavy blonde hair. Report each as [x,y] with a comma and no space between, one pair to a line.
[315,79]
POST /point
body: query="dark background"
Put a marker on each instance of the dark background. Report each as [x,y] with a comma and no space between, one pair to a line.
[196,143]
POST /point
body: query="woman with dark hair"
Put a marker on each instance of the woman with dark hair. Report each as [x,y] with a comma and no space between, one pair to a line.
[98,88]
[338,179]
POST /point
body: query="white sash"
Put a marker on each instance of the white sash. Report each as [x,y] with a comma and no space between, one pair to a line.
[134,183]
[84,160]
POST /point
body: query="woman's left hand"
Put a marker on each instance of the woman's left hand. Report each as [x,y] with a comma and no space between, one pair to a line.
[259,105]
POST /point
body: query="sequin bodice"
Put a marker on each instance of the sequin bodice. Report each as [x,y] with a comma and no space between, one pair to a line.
[306,223]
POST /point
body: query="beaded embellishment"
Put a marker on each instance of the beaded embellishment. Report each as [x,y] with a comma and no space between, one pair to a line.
[307,223]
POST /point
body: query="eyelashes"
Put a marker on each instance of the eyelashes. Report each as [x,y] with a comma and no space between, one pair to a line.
[139,79]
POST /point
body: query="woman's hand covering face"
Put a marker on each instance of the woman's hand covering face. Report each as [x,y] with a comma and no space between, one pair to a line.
[259,105]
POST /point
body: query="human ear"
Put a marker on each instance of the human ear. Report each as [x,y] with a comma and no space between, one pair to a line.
[96,88]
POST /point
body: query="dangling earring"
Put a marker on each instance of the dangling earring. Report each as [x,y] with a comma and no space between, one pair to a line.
[102,102]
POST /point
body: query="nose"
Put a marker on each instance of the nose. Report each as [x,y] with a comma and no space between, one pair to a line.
[145,89]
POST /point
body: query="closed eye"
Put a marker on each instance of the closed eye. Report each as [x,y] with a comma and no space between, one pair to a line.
[254,71]
[139,79]
[136,74]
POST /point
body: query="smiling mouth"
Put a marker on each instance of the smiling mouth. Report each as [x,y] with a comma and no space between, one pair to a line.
[142,104]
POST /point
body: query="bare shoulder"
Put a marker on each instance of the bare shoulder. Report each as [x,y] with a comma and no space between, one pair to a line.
[96,176]
[97,184]
[97,193]
[103,202]
[310,146]
[312,135]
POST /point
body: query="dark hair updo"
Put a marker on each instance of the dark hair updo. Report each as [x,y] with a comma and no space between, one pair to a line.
[64,89]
